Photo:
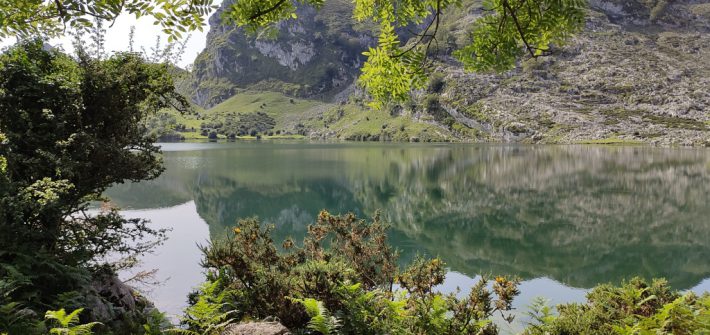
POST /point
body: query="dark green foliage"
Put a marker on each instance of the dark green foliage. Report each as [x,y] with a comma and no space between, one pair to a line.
[342,281]
[71,131]
[635,307]
[164,127]
[433,106]
[240,124]
[436,83]
[431,103]
[14,317]
[71,128]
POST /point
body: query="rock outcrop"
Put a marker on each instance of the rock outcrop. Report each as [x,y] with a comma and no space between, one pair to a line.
[637,73]
[256,328]
[316,55]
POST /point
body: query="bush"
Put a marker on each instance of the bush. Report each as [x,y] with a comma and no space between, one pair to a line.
[241,124]
[209,314]
[436,83]
[431,103]
[635,307]
[346,266]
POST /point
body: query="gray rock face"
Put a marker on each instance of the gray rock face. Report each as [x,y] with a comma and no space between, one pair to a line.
[316,55]
[256,328]
[637,73]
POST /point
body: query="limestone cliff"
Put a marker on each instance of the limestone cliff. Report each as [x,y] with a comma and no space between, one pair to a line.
[316,55]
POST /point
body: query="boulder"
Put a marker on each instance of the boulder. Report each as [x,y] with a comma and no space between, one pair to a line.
[256,328]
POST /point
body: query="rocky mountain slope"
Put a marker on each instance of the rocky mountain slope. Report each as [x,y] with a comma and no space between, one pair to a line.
[637,73]
[316,55]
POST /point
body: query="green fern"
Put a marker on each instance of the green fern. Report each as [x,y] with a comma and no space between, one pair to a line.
[321,320]
[540,314]
[14,317]
[69,323]
[205,317]
[156,323]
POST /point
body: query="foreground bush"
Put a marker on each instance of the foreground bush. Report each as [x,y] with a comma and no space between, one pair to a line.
[345,278]
[636,307]
[71,127]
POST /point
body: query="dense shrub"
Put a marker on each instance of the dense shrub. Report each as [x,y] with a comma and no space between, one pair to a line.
[343,280]
[240,124]
[635,307]
[347,270]
[164,127]
[436,83]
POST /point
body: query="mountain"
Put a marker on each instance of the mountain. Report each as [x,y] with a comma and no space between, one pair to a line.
[316,55]
[637,73]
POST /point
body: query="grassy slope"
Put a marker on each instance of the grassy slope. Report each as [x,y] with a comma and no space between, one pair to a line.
[190,122]
[353,123]
[320,119]
[287,112]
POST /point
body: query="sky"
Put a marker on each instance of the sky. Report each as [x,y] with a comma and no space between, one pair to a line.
[145,36]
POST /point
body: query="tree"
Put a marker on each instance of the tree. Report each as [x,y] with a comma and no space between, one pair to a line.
[393,69]
[51,17]
[71,128]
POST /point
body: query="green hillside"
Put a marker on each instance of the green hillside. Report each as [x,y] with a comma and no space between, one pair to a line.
[275,115]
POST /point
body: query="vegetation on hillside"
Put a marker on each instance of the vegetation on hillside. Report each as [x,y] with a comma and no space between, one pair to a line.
[249,114]
[565,97]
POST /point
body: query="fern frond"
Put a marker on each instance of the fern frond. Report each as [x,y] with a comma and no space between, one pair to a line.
[73,317]
[59,316]
[69,323]
[84,329]
[321,320]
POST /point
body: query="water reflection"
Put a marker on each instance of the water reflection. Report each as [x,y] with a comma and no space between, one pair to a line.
[578,215]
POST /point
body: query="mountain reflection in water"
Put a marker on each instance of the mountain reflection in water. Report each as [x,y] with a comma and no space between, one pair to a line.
[580,215]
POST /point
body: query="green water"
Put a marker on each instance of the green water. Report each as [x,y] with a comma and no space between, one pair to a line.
[563,218]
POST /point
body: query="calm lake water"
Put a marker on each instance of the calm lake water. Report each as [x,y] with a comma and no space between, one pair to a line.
[562,218]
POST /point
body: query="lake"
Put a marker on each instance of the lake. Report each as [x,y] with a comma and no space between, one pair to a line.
[562,218]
